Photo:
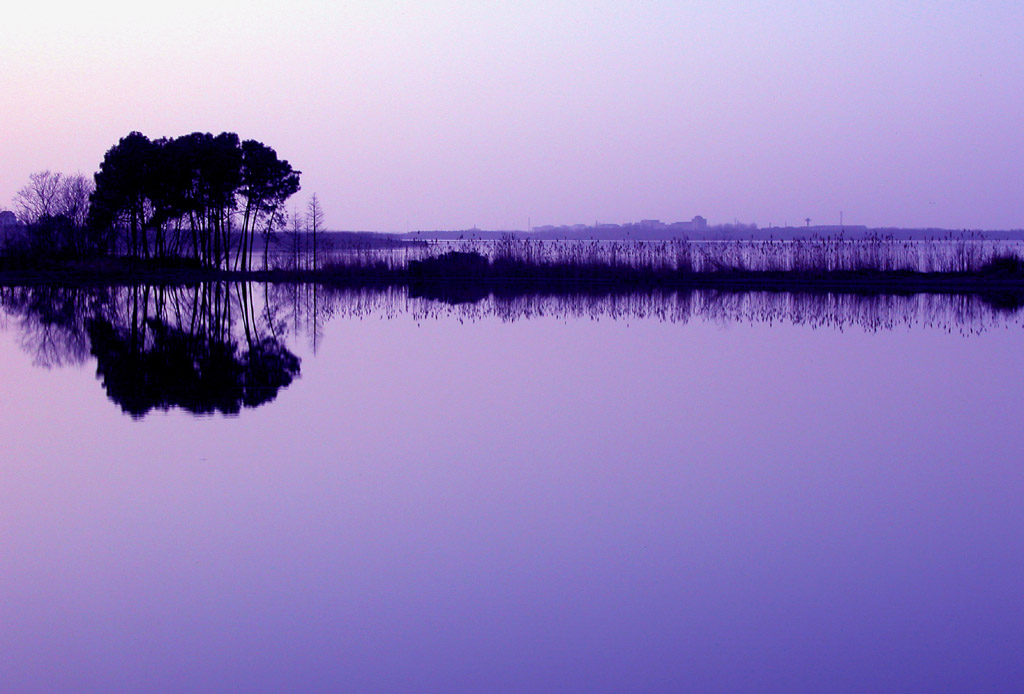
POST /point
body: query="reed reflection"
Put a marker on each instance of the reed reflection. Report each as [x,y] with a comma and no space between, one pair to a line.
[219,347]
[955,313]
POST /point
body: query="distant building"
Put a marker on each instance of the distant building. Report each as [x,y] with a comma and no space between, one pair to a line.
[650,224]
[698,223]
[8,225]
[644,229]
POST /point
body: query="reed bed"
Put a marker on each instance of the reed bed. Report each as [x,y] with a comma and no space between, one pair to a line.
[968,253]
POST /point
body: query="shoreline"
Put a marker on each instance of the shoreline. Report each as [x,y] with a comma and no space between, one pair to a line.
[480,279]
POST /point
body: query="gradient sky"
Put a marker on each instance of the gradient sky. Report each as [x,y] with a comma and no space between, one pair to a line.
[452,114]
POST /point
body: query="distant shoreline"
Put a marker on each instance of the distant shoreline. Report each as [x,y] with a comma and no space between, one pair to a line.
[632,232]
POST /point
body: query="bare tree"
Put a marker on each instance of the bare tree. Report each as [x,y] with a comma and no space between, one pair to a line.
[56,208]
[73,199]
[51,193]
[314,223]
[40,198]
[295,238]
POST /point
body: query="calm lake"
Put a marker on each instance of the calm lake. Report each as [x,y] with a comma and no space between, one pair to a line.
[235,488]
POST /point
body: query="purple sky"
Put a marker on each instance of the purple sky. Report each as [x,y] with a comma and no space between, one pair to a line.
[453,114]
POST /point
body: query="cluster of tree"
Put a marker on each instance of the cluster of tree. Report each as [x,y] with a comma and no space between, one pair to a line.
[199,195]
[304,243]
[53,209]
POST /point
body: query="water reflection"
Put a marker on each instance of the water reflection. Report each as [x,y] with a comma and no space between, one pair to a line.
[954,313]
[219,347]
[209,348]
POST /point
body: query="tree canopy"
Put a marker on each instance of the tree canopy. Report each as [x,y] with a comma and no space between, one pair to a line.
[200,195]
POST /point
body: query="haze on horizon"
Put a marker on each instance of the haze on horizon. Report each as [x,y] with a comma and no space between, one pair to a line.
[448,115]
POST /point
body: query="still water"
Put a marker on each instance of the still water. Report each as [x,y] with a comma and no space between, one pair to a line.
[269,489]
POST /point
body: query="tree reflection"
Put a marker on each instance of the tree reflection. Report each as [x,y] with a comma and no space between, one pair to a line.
[203,349]
[51,322]
[220,347]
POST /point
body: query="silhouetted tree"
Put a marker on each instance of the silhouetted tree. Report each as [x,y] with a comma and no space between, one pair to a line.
[123,187]
[53,236]
[186,191]
[205,172]
[39,198]
[267,182]
[295,239]
[55,208]
[314,224]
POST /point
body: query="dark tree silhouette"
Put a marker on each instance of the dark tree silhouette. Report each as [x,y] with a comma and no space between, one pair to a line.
[54,208]
[40,197]
[314,224]
[123,187]
[267,182]
[184,194]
